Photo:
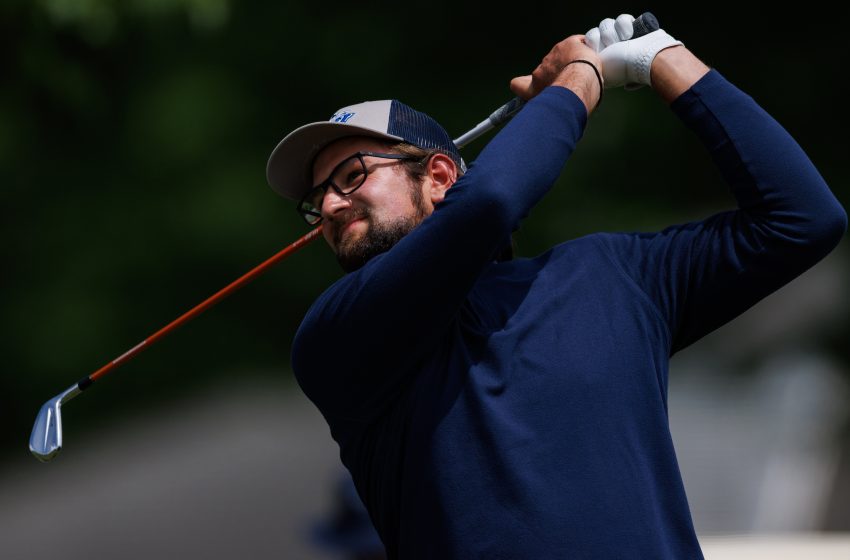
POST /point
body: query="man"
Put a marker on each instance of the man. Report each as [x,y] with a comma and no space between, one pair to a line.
[491,408]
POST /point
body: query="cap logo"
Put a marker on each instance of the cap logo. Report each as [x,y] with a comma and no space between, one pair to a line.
[341,117]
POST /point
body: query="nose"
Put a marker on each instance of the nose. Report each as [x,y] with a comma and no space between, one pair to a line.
[334,203]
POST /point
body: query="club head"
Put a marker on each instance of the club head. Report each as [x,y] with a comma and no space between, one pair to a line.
[46,437]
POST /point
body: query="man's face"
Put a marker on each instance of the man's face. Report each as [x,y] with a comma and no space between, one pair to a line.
[377,215]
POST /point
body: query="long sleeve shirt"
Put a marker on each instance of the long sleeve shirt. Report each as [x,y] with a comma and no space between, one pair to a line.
[519,409]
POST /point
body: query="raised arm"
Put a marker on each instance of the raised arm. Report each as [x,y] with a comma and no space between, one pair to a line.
[703,274]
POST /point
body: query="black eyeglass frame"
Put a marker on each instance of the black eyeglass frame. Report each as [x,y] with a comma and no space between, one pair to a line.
[313,218]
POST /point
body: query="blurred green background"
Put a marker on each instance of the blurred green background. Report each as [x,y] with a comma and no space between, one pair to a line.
[134,137]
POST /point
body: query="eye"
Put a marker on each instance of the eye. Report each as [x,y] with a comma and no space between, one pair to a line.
[353,177]
[350,175]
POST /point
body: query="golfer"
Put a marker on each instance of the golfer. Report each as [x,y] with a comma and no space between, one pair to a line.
[490,407]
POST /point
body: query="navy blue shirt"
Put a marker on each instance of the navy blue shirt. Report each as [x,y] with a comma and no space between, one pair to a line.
[519,409]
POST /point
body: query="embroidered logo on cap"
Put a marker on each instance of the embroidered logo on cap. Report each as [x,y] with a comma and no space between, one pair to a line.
[341,117]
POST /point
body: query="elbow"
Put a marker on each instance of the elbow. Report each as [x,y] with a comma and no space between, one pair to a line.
[805,237]
[822,233]
[831,227]
[841,222]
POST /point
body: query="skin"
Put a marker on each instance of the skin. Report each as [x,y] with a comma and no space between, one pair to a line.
[385,207]
[384,202]
[554,70]
[674,71]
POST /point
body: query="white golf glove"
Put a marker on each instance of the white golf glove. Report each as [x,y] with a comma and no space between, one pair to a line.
[626,61]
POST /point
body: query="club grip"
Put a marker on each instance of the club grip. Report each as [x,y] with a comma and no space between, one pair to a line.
[643,24]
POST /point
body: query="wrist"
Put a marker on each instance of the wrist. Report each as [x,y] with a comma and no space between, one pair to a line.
[674,70]
[583,78]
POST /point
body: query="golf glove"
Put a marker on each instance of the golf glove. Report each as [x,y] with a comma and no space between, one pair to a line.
[626,61]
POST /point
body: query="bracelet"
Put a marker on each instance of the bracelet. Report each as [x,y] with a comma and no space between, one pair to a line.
[598,77]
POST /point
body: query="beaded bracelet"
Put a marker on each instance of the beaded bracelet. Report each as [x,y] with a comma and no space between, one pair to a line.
[598,77]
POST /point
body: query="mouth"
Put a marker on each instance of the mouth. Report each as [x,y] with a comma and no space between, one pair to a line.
[350,224]
[346,229]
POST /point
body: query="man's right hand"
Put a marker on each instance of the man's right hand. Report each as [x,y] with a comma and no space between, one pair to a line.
[556,70]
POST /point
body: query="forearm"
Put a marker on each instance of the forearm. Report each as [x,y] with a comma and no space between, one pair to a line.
[674,71]
[581,80]
[769,173]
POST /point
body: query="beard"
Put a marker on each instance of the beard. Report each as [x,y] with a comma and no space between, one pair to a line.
[379,238]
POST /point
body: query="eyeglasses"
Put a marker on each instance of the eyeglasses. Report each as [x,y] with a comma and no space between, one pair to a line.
[345,178]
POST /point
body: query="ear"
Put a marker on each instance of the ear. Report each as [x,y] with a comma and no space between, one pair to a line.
[442,174]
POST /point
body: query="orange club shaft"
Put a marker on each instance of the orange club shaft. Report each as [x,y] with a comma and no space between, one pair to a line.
[203,306]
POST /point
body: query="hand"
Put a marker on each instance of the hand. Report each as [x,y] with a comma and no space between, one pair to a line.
[555,69]
[626,61]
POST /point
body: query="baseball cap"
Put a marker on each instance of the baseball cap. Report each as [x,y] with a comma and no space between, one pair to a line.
[290,167]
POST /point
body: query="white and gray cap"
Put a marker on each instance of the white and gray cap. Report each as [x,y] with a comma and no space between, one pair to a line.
[290,167]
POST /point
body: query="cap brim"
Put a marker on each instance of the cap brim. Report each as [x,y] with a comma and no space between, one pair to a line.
[289,170]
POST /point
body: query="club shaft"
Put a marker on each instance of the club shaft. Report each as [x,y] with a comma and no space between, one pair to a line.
[204,305]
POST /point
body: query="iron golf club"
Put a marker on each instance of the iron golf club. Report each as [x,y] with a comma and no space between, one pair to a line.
[46,436]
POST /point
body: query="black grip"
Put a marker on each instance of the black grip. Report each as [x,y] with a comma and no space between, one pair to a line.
[643,24]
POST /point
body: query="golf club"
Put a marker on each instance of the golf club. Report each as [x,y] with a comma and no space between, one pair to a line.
[46,437]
